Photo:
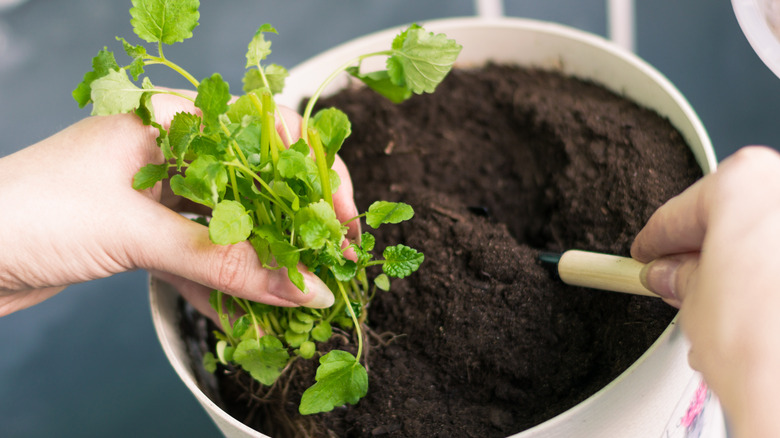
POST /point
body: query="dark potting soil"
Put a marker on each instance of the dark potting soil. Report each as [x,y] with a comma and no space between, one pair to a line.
[500,163]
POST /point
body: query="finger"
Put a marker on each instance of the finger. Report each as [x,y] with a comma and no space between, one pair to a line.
[344,201]
[671,277]
[182,247]
[196,294]
[344,198]
[289,125]
[676,227]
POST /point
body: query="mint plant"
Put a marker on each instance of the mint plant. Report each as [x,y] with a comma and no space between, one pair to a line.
[231,159]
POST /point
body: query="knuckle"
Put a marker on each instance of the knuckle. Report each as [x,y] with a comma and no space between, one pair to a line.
[229,268]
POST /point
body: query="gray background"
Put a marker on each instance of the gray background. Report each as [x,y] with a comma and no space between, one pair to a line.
[87,363]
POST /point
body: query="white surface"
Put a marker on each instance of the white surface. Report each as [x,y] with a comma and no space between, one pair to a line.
[759,20]
[641,402]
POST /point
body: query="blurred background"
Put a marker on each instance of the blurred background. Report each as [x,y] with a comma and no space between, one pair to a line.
[87,362]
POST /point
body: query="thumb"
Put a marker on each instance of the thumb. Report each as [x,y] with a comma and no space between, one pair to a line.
[670,276]
[182,247]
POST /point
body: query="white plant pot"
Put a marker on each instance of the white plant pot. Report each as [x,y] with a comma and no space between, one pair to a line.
[659,395]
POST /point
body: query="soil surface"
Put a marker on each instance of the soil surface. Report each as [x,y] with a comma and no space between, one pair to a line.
[500,163]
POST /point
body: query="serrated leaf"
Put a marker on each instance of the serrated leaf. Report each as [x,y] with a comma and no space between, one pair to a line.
[204,181]
[383,212]
[114,93]
[292,164]
[102,63]
[276,75]
[166,21]
[421,59]
[230,223]
[264,359]
[184,127]
[137,53]
[149,175]
[317,224]
[259,48]
[334,127]
[252,80]
[401,261]
[344,272]
[340,380]
[213,97]
[380,82]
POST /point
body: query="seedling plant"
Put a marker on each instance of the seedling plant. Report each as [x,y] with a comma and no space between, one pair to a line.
[231,159]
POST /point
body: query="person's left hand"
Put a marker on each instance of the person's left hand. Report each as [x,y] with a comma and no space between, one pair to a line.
[69,214]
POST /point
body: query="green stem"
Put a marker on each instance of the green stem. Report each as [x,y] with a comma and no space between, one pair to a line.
[276,199]
[322,165]
[276,110]
[326,82]
[162,60]
[224,320]
[358,331]
[254,319]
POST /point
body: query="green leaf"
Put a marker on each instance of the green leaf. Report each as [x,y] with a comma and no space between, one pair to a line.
[242,108]
[166,21]
[340,379]
[382,282]
[252,80]
[322,332]
[307,350]
[102,63]
[334,127]
[276,75]
[367,242]
[114,93]
[184,128]
[148,176]
[383,212]
[263,359]
[295,339]
[299,326]
[213,97]
[401,261]
[137,53]
[204,182]
[421,59]
[241,325]
[259,48]
[230,223]
[292,164]
[317,224]
[209,362]
[344,272]
[380,82]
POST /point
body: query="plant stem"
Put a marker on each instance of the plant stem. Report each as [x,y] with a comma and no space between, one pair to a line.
[358,331]
[322,165]
[326,82]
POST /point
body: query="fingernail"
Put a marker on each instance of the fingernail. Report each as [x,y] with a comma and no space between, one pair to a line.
[659,277]
[321,296]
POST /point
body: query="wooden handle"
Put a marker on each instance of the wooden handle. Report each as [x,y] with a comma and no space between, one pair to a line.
[602,271]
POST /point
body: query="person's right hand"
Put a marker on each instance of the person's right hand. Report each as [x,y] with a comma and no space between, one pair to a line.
[713,252]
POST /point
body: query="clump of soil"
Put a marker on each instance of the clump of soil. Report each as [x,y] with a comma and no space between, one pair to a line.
[499,163]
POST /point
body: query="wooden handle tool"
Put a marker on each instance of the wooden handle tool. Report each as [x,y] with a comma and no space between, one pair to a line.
[598,271]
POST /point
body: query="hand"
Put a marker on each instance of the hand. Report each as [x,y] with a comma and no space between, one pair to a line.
[70,215]
[713,252]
